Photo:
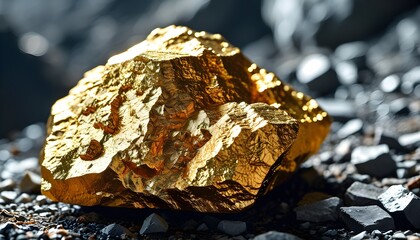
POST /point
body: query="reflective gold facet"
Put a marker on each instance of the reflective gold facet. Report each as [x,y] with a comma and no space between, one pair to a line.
[182,120]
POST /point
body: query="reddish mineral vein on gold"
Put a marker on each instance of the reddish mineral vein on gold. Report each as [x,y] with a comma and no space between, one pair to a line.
[182,120]
[93,151]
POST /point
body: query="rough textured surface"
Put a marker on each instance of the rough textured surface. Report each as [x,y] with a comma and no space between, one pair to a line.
[366,218]
[154,224]
[182,120]
[402,204]
[320,211]
[374,160]
[362,194]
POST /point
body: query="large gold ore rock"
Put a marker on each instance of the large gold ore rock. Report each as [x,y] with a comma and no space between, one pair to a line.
[182,120]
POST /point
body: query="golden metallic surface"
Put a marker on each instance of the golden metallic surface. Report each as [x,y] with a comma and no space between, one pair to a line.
[182,120]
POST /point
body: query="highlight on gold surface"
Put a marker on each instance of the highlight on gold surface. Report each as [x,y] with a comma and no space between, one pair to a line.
[181,120]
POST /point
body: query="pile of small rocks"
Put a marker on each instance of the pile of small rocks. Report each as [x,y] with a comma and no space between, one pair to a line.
[349,190]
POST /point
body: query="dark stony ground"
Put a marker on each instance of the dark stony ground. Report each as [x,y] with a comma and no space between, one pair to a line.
[363,184]
[25,214]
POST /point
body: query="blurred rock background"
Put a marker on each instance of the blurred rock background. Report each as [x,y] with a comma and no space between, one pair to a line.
[325,47]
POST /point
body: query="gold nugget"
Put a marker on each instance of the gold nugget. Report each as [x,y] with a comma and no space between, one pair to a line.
[183,121]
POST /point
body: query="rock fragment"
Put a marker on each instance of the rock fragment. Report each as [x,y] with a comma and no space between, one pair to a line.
[340,110]
[361,194]
[23,198]
[400,107]
[351,127]
[402,204]
[232,228]
[7,184]
[410,139]
[271,235]
[30,182]
[390,141]
[154,224]
[8,196]
[320,211]
[373,160]
[366,218]
[6,226]
[359,236]
[182,120]
[390,83]
[116,230]
[317,73]
[202,227]
[398,236]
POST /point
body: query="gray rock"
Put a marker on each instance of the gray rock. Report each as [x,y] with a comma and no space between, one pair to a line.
[390,83]
[409,165]
[409,139]
[331,232]
[45,214]
[376,232]
[343,150]
[13,168]
[353,51]
[356,177]
[402,204]
[366,218]
[274,235]
[30,183]
[41,199]
[340,110]
[390,141]
[402,173]
[7,185]
[39,209]
[115,229]
[361,194]
[373,160]
[232,228]
[400,106]
[398,235]
[320,211]
[346,72]
[23,198]
[202,227]
[410,80]
[359,236]
[8,196]
[317,73]
[154,224]
[6,226]
[350,128]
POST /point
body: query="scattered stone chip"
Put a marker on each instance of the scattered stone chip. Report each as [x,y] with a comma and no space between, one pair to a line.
[373,160]
[366,218]
[272,235]
[232,228]
[362,194]
[402,204]
[154,224]
[320,211]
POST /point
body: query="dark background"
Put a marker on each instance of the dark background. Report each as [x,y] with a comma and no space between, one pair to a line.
[47,45]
